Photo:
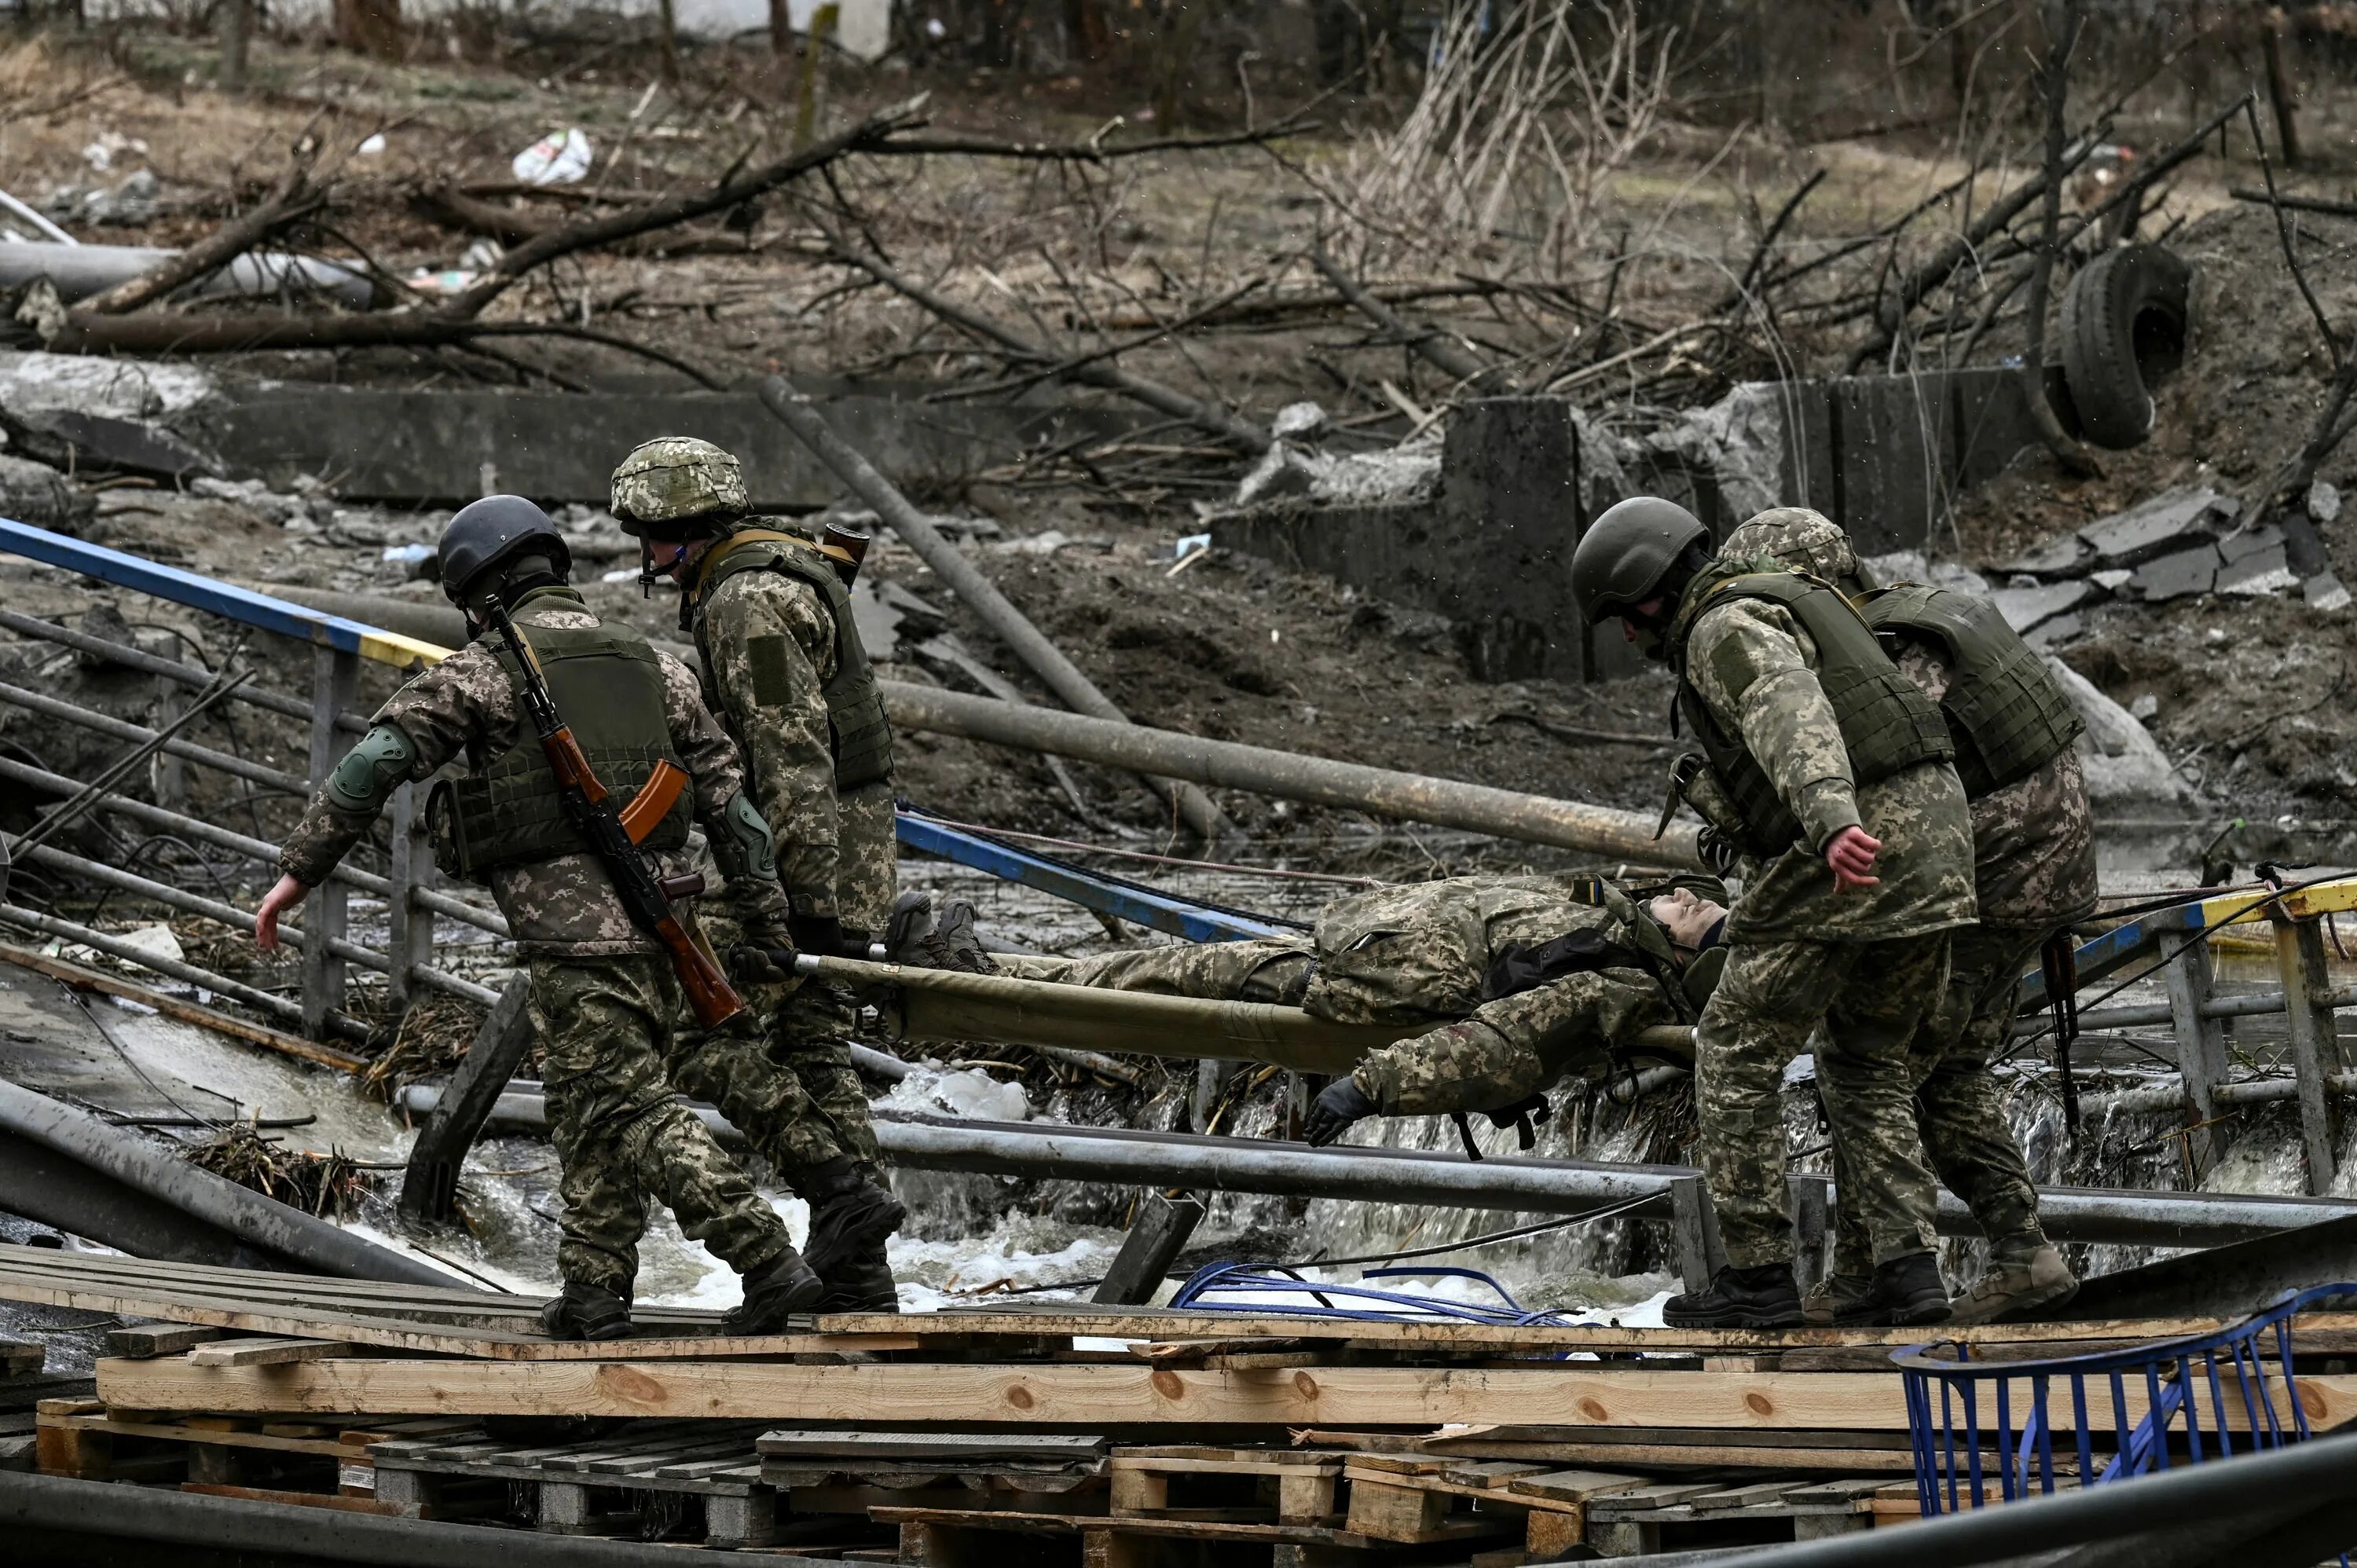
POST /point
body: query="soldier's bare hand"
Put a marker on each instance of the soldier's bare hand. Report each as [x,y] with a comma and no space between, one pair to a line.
[1851,854]
[282,897]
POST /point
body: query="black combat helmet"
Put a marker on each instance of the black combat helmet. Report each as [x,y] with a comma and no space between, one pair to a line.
[489,533]
[1627,553]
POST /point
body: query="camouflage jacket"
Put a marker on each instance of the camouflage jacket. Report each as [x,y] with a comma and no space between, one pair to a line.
[463,706]
[1424,951]
[1925,867]
[2034,840]
[828,847]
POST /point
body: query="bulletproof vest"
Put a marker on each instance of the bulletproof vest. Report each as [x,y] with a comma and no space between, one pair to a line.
[1887,724]
[608,688]
[859,735]
[2010,717]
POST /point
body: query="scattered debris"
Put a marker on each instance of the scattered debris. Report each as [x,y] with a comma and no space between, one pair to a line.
[2123,762]
[561,157]
[324,1185]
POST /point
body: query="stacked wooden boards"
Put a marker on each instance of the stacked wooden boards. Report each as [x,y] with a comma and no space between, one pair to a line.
[1095,1436]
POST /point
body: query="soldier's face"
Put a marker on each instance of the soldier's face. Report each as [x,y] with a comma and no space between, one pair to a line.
[1641,624]
[1687,916]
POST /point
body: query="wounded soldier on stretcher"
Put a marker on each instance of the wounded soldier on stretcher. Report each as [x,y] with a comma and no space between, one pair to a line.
[1524,981]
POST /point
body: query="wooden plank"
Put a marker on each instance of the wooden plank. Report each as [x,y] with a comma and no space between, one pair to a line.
[929,1445]
[1202,1530]
[1099,1396]
[482,1324]
[81,978]
[180,1432]
[1572,1485]
[1757,1494]
[266,1352]
[335,1502]
[1409,1514]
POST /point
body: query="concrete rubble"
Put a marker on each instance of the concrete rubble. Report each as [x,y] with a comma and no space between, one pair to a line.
[2182,542]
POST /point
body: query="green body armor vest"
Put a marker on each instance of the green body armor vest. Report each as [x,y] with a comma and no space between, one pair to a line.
[609,688]
[858,735]
[1887,724]
[2007,712]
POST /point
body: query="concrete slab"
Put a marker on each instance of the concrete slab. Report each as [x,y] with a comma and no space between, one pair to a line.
[2255,562]
[2177,576]
[2026,607]
[2154,528]
[2061,555]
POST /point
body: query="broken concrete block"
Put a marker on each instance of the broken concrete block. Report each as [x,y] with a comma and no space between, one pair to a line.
[2053,633]
[2110,581]
[2026,607]
[2174,576]
[38,494]
[2063,555]
[2157,527]
[2324,592]
[2255,562]
[2324,501]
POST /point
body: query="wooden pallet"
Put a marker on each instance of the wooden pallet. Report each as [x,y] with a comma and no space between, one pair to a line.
[975,1538]
[1413,1500]
[1243,1486]
[697,1479]
[1678,1516]
[321,1464]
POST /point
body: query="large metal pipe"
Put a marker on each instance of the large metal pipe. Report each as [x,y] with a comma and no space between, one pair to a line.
[264,1223]
[1227,764]
[1410,1176]
[2167,1093]
[1043,658]
[1445,802]
[79,272]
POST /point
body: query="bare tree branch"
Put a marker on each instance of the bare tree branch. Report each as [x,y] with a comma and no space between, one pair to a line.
[2065,21]
[1453,358]
[294,198]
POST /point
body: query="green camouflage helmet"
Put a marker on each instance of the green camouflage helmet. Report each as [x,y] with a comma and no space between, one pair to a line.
[676,486]
[1804,540]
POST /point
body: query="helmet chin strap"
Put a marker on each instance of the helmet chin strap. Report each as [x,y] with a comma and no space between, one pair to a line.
[647,576]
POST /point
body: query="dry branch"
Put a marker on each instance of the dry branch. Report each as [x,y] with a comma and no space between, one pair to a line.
[454,323]
[294,198]
[1093,151]
[1452,357]
[1154,394]
[2065,19]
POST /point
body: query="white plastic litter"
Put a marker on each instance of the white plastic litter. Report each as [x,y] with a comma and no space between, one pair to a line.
[1190,542]
[373,147]
[561,157]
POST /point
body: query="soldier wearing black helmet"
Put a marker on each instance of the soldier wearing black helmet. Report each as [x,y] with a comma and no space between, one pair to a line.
[786,674]
[1831,775]
[603,999]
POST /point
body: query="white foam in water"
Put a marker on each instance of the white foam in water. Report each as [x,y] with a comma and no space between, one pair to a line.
[966,1093]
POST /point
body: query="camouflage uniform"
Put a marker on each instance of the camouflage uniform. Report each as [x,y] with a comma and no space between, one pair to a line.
[1427,952]
[2034,846]
[769,646]
[603,998]
[1864,962]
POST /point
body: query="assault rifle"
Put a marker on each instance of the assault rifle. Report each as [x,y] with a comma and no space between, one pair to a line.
[646,899]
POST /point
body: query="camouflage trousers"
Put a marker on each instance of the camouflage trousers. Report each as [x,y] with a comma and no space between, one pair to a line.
[781,1071]
[1508,1050]
[1266,969]
[605,1025]
[1513,1047]
[1871,998]
[1959,1110]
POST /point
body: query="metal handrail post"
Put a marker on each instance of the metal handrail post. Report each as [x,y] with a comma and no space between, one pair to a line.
[410,933]
[2200,1049]
[2315,1042]
[335,675]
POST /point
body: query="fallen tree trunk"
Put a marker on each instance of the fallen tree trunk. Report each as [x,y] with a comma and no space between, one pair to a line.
[1043,658]
[1444,802]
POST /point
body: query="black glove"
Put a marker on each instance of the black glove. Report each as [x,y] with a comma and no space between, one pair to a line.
[1338,1105]
[765,954]
[821,934]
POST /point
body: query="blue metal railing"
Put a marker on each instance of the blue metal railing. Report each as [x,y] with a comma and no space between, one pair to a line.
[2155,1406]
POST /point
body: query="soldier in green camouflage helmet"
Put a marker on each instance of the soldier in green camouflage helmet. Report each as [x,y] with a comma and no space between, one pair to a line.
[785,672]
[1525,981]
[2033,873]
[603,999]
[1832,774]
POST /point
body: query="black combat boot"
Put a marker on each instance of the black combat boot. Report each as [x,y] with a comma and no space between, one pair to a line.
[777,1293]
[587,1312]
[1906,1291]
[851,1216]
[1764,1297]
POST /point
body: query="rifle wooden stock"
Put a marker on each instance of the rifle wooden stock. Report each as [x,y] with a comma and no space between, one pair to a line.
[709,995]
